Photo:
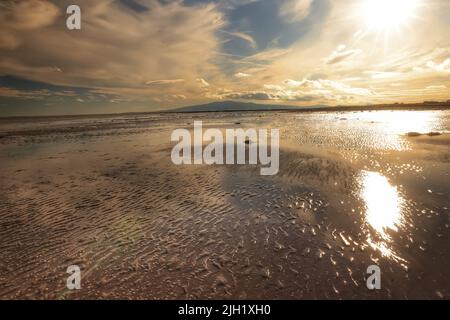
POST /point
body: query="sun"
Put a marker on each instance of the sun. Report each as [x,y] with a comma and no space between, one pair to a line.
[388,15]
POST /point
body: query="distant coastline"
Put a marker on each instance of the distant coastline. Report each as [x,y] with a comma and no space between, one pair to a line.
[232,106]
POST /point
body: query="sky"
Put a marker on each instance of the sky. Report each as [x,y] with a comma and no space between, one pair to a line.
[150,55]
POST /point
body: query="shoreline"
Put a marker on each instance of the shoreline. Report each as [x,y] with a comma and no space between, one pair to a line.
[383,107]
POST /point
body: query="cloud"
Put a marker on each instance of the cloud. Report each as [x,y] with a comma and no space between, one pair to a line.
[437,87]
[24,16]
[169,98]
[164,82]
[305,83]
[294,10]
[372,61]
[14,93]
[382,74]
[261,95]
[203,83]
[166,52]
[243,36]
[34,94]
[320,90]
[233,4]
[342,88]
[432,67]
[28,14]
[179,96]
[273,87]
[249,95]
[341,54]
[117,48]
[268,55]
[266,96]
[439,67]
[8,41]
[241,75]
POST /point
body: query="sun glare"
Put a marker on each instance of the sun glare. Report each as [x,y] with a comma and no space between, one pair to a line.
[388,15]
[384,210]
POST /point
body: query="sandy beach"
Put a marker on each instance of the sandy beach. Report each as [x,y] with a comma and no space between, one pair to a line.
[101,192]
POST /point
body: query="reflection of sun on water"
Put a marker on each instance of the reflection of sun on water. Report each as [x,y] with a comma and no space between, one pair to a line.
[401,122]
[404,122]
[390,127]
[383,209]
[383,203]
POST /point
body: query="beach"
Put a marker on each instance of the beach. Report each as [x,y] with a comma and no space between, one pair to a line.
[101,192]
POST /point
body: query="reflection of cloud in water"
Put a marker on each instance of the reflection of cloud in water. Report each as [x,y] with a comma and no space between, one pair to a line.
[383,210]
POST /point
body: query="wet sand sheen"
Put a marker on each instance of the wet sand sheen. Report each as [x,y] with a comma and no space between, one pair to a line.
[106,196]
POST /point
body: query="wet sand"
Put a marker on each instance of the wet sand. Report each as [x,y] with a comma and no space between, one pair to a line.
[102,193]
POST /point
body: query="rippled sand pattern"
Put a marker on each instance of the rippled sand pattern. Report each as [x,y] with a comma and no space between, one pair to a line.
[102,193]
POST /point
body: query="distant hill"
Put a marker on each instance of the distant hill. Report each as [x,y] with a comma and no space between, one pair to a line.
[228,106]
